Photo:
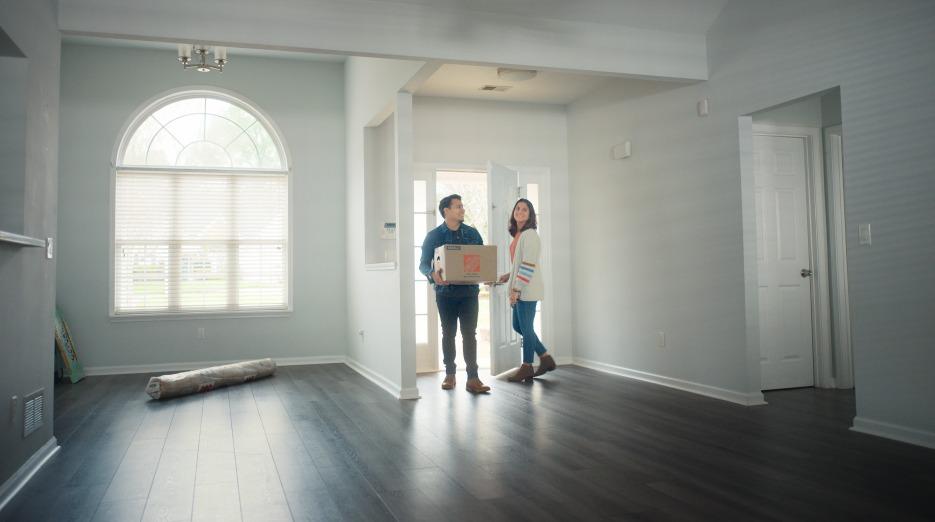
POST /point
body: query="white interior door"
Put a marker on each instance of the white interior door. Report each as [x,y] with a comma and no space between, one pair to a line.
[505,344]
[786,353]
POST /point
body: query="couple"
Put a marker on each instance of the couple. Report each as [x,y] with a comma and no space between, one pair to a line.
[459,303]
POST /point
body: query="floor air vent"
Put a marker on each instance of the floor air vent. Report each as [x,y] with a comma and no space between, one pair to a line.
[33,411]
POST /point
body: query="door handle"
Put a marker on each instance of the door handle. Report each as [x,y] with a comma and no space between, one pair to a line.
[806,272]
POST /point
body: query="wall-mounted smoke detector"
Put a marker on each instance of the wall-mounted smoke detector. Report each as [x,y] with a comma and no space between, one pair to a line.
[496,88]
[516,75]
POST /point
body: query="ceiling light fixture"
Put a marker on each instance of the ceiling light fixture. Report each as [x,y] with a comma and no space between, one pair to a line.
[516,75]
[187,50]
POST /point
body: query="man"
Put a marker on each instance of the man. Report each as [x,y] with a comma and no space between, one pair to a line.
[456,302]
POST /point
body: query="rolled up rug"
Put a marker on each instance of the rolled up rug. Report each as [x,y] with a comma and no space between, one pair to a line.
[206,379]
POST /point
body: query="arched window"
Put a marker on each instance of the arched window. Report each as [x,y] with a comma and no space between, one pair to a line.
[201,218]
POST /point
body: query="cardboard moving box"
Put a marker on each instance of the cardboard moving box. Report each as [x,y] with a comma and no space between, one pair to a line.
[467,263]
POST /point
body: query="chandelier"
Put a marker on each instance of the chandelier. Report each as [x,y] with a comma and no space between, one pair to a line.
[200,62]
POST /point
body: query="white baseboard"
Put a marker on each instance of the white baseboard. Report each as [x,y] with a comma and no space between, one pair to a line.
[894,431]
[179,367]
[381,381]
[745,399]
[409,393]
[15,483]
[567,359]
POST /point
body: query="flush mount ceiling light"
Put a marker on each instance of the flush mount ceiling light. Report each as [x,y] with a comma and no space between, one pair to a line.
[201,61]
[516,75]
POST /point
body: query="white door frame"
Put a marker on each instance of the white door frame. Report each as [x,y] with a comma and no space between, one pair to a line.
[837,233]
[818,250]
[431,344]
[543,176]
[527,174]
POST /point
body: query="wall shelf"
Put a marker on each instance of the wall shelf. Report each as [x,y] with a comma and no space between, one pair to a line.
[17,239]
[390,265]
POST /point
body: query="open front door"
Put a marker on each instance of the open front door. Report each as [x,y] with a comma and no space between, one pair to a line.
[502,193]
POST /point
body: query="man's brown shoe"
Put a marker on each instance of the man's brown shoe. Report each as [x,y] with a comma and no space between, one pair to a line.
[546,364]
[524,372]
[475,386]
[449,382]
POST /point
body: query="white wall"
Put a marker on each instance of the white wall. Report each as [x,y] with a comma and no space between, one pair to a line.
[14,77]
[831,108]
[402,30]
[27,278]
[802,113]
[656,238]
[469,133]
[675,206]
[374,304]
[305,100]
[380,189]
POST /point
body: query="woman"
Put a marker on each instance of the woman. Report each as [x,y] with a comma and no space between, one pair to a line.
[526,289]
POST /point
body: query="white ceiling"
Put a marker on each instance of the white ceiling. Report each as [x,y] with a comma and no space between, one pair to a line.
[683,16]
[465,81]
[232,52]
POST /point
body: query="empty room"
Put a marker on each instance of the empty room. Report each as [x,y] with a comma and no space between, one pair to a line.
[460,260]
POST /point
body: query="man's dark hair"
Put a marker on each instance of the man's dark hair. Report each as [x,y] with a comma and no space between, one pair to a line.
[446,203]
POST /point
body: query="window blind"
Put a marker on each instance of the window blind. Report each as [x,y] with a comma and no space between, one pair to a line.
[188,241]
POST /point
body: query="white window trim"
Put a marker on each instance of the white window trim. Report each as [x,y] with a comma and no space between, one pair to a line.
[132,122]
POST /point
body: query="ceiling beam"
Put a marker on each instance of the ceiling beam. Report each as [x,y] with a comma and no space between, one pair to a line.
[397,30]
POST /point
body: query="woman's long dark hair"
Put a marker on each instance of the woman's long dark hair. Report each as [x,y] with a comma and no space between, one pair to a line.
[530,223]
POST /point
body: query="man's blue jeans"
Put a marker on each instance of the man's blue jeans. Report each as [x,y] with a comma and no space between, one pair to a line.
[451,311]
[524,316]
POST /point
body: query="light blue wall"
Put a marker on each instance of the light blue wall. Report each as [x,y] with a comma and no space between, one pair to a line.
[101,89]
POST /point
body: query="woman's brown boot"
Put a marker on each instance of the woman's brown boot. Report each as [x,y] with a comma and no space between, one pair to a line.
[546,364]
[524,372]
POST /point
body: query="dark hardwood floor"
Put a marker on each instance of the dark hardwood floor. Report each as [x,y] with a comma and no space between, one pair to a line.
[323,443]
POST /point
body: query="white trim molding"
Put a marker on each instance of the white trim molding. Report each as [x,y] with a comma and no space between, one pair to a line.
[381,381]
[375,267]
[894,431]
[409,393]
[27,471]
[372,376]
[185,366]
[564,359]
[837,260]
[744,399]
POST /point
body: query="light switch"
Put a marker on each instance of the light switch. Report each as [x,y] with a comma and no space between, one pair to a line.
[863,233]
[703,107]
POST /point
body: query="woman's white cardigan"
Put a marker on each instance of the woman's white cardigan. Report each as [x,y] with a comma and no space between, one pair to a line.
[526,275]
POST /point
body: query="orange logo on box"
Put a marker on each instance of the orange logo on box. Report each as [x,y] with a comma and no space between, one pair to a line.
[471,263]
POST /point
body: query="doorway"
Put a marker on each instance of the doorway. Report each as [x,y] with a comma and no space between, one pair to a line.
[471,185]
[784,256]
[796,209]
[432,185]
[476,186]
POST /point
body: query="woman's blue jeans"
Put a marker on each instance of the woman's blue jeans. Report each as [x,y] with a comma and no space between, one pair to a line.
[524,315]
